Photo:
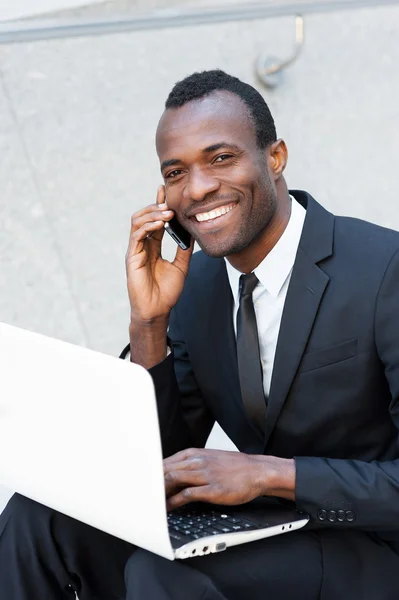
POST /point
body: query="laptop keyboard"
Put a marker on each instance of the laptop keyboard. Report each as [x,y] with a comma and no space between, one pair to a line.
[194,524]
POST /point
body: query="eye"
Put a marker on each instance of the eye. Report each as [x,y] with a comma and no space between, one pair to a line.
[222,157]
[174,173]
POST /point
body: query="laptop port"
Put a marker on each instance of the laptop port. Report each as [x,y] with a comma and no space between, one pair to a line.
[220,547]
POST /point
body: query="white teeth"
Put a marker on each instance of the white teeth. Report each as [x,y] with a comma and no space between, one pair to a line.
[218,212]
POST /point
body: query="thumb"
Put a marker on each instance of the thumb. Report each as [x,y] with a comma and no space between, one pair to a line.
[183,257]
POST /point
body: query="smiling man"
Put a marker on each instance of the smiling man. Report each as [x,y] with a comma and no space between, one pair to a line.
[285,330]
[229,178]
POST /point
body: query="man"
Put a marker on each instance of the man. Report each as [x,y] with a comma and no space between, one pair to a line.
[285,330]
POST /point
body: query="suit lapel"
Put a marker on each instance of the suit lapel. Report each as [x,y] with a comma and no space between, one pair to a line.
[307,285]
[305,292]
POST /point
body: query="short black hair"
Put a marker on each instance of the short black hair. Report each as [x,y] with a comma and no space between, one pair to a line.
[199,85]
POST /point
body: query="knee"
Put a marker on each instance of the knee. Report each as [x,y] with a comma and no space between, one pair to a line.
[141,563]
[21,512]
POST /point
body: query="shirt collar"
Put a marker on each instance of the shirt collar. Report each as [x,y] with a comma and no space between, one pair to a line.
[274,269]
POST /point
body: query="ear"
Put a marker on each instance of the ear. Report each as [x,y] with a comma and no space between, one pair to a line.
[277,158]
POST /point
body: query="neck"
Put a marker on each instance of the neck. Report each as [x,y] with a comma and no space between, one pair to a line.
[247,260]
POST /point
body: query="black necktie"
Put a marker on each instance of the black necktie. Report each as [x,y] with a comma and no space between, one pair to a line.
[249,364]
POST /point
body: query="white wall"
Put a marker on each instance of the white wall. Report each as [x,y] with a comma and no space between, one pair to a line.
[77,120]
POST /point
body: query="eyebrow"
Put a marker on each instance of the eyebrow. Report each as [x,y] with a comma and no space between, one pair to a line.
[207,150]
[220,145]
[170,163]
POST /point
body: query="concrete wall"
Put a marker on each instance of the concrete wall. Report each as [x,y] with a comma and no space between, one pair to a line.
[77,122]
[17,9]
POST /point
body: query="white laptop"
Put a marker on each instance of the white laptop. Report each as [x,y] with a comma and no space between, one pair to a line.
[79,433]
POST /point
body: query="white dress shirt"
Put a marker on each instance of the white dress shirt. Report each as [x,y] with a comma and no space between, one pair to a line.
[274,274]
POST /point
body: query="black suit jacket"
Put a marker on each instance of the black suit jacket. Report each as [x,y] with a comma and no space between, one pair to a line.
[334,398]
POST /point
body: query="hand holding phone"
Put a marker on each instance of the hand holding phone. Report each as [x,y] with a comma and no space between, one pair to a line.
[154,283]
[178,233]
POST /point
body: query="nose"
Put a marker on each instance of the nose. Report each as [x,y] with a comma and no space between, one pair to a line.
[200,184]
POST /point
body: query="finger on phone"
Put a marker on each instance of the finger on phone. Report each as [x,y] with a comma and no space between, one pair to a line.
[146,210]
[151,217]
[139,236]
[161,196]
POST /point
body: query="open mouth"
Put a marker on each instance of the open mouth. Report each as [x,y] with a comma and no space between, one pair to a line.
[215,214]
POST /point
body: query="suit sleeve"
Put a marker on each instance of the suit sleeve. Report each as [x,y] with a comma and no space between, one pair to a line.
[364,495]
[184,418]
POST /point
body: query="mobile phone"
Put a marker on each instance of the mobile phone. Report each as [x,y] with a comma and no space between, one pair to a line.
[178,233]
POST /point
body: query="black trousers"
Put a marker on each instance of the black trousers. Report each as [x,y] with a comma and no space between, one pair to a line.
[45,555]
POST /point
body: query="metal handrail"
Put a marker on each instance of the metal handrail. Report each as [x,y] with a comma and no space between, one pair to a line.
[269,69]
[40,29]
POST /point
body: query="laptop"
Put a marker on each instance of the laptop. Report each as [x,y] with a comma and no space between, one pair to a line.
[79,433]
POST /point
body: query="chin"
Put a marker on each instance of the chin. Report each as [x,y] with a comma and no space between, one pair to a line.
[222,249]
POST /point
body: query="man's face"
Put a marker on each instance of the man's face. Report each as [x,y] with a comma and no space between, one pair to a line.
[217,179]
